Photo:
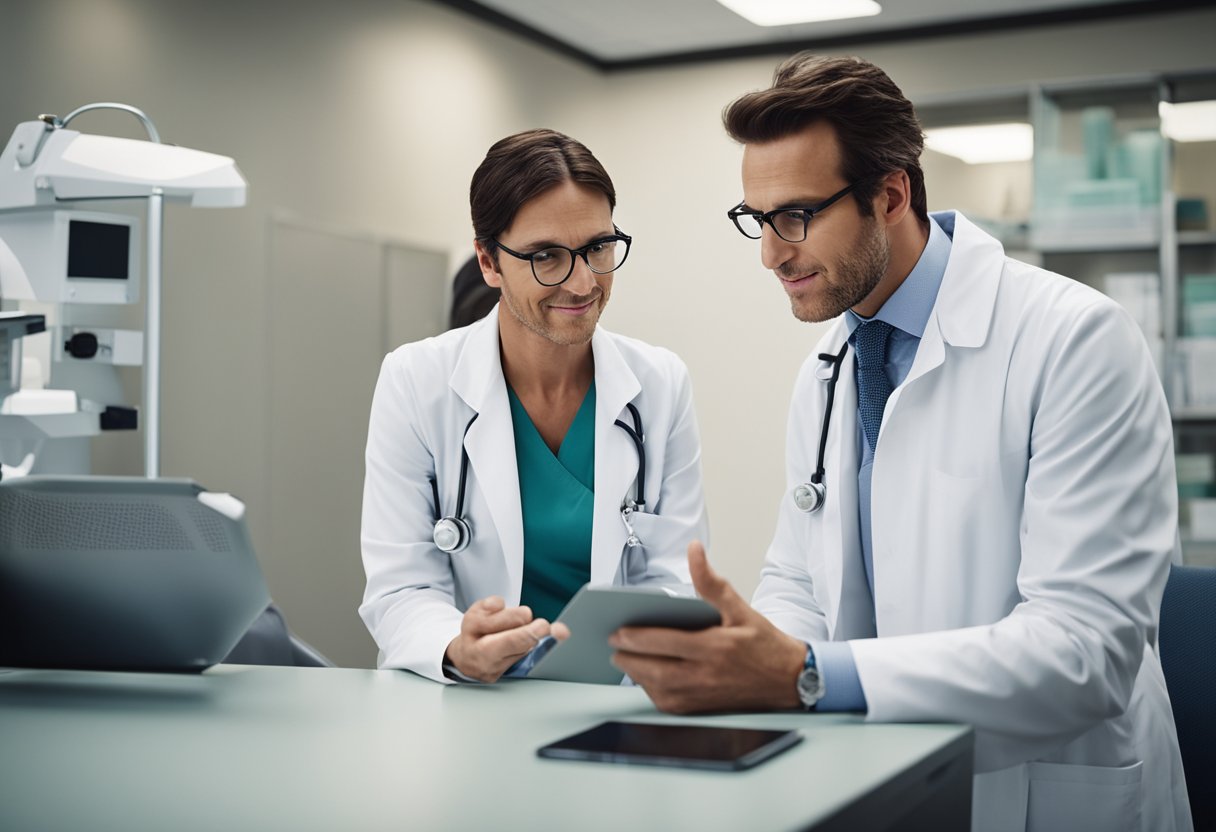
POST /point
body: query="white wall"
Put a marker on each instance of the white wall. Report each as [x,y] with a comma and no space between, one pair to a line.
[371,115]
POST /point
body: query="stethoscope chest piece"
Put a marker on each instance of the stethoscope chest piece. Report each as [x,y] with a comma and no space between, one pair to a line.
[810,496]
[451,535]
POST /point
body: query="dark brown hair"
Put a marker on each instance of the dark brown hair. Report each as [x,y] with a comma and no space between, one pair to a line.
[523,166]
[875,124]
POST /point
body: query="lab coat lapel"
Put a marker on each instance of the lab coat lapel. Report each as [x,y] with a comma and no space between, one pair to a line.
[966,300]
[490,443]
[616,462]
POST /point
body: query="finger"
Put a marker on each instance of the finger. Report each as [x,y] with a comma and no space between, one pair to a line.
[650,672]
[481,608]
[507,619]
[490,604]
[662,642]
[559,631]
[511,644]
[479,621]
[714,588]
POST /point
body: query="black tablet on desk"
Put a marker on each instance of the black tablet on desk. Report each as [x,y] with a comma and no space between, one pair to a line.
[683,746]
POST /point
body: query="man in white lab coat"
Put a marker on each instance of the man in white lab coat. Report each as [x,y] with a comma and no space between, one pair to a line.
[980,509]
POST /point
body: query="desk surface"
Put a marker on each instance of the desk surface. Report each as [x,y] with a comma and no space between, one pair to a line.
[318,748]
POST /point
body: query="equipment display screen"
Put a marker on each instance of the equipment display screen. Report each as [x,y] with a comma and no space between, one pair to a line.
[99,250]
[685,746]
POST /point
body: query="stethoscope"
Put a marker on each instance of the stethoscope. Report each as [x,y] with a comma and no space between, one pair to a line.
[453,533]
[810,496]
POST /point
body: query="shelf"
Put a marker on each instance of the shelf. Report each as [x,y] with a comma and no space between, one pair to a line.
[1064,242]
[1142,89]
[1195,414]
[1197,238]
[49,426]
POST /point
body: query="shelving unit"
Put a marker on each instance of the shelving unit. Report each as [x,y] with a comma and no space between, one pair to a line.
[1099,198]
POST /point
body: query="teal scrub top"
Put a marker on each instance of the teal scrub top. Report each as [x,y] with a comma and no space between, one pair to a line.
[557,493]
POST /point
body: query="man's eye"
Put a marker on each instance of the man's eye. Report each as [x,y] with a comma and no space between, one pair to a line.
[596,248]
[794,216]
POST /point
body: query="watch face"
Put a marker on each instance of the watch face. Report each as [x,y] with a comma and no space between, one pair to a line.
[810,686]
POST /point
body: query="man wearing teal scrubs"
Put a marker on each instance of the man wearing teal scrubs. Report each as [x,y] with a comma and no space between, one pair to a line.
[533,394]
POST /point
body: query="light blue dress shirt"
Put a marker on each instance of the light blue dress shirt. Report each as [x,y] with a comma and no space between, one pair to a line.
[908,312]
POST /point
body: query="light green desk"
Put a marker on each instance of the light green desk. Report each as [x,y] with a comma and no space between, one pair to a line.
[263,748]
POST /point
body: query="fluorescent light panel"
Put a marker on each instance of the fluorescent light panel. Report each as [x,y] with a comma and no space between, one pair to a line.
[983,143]
[787,12]
[1193,121]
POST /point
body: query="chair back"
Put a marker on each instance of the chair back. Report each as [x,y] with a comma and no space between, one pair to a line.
[1187,641]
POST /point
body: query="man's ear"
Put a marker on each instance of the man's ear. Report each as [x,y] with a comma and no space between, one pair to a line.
[894,198]
[489,268]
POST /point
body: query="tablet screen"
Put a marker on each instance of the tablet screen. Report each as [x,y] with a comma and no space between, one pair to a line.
[692,746]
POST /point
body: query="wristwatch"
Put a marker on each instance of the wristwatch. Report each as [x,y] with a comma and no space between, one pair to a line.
[810,683]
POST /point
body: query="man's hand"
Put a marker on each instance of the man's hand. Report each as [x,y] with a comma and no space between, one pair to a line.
[493,637]
[744,664]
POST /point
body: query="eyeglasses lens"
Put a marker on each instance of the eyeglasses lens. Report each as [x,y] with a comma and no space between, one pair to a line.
[552,265]
[791,225]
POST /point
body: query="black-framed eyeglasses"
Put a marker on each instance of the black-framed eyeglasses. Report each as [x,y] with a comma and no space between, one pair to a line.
[790,223]
[553,265]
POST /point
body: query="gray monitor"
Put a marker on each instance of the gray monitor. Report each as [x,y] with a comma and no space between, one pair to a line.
[121,573]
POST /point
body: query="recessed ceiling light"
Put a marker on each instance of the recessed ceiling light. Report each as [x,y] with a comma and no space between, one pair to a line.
[1194,121]
[787,12]
[979,144]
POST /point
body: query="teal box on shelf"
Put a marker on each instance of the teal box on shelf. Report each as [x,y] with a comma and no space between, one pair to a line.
[1191,214]
[1196,475]
[1199,305]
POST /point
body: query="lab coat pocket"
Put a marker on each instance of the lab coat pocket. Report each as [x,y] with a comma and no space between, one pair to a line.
[1068,797]
[661,558]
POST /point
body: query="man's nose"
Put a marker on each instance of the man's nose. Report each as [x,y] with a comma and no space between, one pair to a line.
[774,251]
[582,279]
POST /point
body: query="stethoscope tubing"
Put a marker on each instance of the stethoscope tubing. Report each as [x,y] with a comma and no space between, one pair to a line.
[837,361]
[635,433]
[456,529]
[809,497]
[464,473]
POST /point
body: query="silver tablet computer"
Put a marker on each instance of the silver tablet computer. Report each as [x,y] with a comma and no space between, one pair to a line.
[593,614]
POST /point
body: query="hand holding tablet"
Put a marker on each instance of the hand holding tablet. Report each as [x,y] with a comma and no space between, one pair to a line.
[594,613]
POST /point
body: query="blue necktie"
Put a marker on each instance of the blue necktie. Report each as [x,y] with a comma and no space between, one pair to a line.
[870,339]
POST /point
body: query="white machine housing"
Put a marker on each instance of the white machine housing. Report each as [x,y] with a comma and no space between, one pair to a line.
[55,253]
[67,256]
[42,166]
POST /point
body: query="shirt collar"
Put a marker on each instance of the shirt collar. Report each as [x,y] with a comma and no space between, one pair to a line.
[909,308]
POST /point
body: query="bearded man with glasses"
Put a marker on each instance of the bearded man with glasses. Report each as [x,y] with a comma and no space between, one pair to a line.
[982,529]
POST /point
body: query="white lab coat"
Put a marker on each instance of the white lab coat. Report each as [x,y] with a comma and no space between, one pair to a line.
[1024,516]
[426,395]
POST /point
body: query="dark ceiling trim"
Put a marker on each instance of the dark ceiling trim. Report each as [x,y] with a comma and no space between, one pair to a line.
[497,18]
[1002,23]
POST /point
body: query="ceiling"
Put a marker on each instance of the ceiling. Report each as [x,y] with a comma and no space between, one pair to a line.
[626,34]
